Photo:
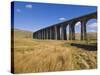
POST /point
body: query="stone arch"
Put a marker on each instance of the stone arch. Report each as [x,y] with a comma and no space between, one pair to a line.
[91,27]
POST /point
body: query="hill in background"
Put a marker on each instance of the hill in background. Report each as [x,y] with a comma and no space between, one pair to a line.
[22,33]
[90,36]
[28,34]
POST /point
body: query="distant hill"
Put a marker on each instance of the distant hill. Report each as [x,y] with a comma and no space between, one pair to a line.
[22,33]
[90,35]
[28,34]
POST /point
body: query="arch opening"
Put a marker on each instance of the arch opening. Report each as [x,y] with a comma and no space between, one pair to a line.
[67,32]
[91,27]
[77,30]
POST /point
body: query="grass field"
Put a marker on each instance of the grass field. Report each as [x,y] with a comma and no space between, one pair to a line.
[31,55]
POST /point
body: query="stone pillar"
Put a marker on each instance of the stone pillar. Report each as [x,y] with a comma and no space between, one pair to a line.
[73,31]
[51,33]
[55,32]
[70,33]
[33,35]
[64,33]
[58,32]
[39,34]
[48,33]
[45,34]
[83,30]
[42,34]
[36,35]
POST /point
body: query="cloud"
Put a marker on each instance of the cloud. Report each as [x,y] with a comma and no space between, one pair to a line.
[62,18]
[92,30]
[28,6]
[18,10]
[93,25]
[77,24]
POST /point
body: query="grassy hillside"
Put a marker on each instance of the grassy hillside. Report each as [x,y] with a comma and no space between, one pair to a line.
[22,33]
[90,36]
[28,34]
[31,55]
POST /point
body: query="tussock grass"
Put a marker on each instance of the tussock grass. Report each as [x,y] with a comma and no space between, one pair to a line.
[31,55]
[38,56]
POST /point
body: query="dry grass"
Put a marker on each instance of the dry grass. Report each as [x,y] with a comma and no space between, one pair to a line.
[49,55]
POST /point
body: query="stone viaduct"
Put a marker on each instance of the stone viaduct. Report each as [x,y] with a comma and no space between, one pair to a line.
[58,31]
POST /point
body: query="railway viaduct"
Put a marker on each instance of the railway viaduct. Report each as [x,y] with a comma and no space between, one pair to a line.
[58,31]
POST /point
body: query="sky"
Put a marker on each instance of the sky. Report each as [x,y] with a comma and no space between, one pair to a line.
[34,16]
